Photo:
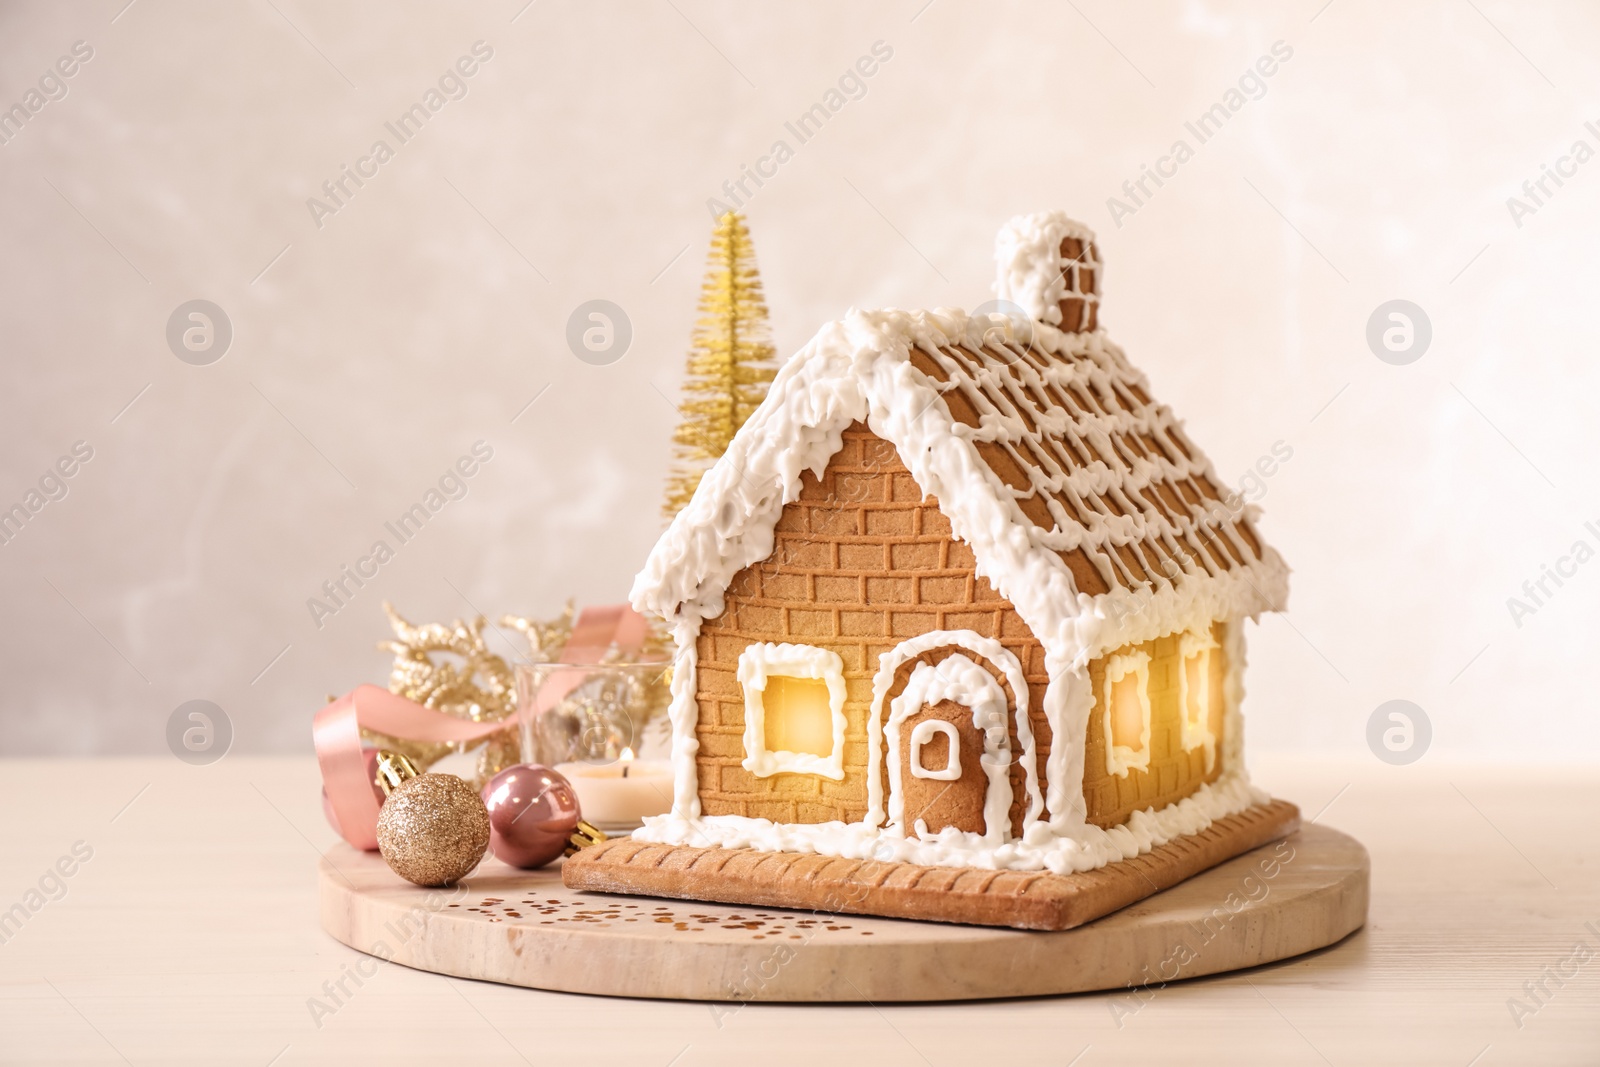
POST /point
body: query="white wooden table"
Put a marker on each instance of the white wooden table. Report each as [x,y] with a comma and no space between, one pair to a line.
[191,936]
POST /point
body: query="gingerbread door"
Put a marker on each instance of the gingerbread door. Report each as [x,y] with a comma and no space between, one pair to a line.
[950,753]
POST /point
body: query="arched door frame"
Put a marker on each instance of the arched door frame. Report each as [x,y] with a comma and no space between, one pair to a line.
[986,648]
[987,707]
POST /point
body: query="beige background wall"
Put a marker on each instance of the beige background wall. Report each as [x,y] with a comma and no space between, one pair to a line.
[368,354]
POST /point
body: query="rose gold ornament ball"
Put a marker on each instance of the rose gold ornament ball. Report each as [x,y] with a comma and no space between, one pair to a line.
[433,829]
[532,812]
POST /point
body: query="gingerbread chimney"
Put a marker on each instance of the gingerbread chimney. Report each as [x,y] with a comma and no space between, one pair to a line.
[1049,265]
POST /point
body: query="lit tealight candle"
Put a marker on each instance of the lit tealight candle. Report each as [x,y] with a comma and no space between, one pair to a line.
[620,796]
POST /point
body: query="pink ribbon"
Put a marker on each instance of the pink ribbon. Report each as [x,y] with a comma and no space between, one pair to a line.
[596,630]
[336,727]
[336,732]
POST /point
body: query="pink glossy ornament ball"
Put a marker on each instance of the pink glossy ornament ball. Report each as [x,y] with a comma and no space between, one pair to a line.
[532,812]
[332,816]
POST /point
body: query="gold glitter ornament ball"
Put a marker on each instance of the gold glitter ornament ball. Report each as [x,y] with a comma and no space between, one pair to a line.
[433,829]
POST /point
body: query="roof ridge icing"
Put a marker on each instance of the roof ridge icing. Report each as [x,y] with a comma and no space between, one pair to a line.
[1080,497]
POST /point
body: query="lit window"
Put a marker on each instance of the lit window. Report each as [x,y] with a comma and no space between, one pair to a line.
[1127,713]
[793,710]
[1195,696]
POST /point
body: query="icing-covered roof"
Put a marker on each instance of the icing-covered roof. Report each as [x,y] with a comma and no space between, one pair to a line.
[1080,496]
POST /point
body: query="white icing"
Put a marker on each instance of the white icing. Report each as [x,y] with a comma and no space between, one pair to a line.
[1065,844]
[859,369]
[1120,759]
[1027,252]
[986,647]
[959,679]
[1197,726]
[921,734]
[1083,850]
[1068,702]
[684,711]
[1233,697]
[756,663]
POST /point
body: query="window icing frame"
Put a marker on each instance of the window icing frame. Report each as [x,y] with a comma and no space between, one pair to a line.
[1197,734]
[1120,759]
[763,660]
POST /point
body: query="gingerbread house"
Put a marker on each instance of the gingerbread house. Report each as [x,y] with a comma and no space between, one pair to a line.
[961,610]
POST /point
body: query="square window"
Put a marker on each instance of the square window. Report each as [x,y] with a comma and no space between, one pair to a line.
[796,715]
[1195,695]
[1126,700]
[794,719]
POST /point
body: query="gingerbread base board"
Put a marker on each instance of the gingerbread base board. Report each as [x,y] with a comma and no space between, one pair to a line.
[525,928]
[1025,900]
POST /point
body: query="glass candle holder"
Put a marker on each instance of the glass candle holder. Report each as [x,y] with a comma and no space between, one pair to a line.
[594,713]
[592,723]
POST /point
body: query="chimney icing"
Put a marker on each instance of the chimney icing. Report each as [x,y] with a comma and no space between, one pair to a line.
[1049,265]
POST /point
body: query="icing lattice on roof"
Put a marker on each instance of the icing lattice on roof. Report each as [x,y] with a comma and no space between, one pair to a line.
[1082,499]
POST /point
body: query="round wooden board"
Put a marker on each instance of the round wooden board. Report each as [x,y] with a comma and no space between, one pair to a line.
[525,928]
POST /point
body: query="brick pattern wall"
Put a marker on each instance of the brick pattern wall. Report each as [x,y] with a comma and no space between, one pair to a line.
[860,563]
[1173,773]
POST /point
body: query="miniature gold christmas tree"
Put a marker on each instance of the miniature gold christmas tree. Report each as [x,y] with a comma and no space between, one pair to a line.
[730,365]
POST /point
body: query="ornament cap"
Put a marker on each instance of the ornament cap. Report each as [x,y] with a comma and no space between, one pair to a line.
[585,836]
[394,769]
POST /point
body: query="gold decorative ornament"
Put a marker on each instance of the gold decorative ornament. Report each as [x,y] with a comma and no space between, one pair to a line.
[478,687]
[545,639]
[433,829]
[449,667]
